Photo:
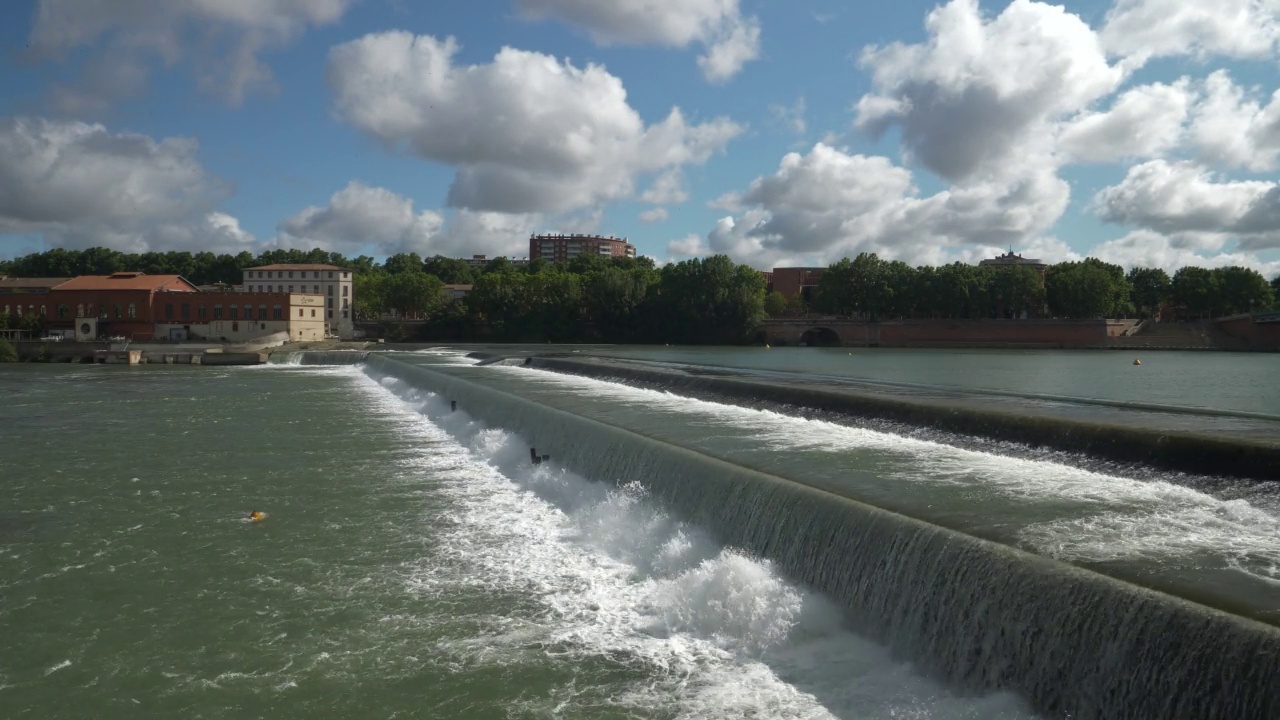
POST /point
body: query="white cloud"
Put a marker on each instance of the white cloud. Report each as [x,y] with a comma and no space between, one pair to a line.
[527,133]
[667,189]
[359,216]
[1146,248]
[1233,130]
[79,185]
[654,215]
[222,38]
[1183,197]
[731,39]
[1144,121]
[827,204]
[792,117]
[1144,29]
[980,95]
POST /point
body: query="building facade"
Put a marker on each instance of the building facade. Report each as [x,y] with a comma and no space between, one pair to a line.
[331,282]
[793,281]
[563,248]
[136,306]
[1009,260]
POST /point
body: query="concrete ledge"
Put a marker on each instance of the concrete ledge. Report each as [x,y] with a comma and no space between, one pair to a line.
[229,358]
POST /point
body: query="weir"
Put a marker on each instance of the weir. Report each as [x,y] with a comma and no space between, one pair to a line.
[319,357]
[1169,450]
[981,615]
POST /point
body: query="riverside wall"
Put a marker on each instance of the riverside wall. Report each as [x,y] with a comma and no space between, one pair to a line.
[1255,335]
[947,333]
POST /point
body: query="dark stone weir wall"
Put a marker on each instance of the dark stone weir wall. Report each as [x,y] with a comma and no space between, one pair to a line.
[981,615]
[1182,452]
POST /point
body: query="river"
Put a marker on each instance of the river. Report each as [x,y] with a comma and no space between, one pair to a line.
[415,564]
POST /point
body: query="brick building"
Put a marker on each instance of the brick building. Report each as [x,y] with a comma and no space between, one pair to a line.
[563,248]
[144,307]
[793,281]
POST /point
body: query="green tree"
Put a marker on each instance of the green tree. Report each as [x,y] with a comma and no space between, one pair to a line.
[1151,288]
[413,293]
[7,353]
[1275,290]
[1241,290]
[775,304]
[709,300]
[1194,288]
[1016,291]
[451,271]
[1086,289]
[402,263]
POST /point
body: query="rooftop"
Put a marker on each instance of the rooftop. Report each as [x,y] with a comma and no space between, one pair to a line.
[1011,259]
[17,283]
[298,266]
[129,281]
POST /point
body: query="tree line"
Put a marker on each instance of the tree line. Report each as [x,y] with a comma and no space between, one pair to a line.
[872,288]
[708,300]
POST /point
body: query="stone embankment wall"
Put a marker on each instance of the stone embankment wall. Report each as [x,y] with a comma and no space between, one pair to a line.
[953,333]
[1255,335]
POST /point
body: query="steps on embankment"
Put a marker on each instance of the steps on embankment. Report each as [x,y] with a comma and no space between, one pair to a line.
[1176,336]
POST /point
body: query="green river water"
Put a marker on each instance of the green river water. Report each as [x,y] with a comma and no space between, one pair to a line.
[403,571]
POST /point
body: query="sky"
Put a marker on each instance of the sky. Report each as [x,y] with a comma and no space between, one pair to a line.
[1142,132]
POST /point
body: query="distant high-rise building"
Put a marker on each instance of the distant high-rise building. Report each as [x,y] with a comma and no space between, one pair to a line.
[563,248]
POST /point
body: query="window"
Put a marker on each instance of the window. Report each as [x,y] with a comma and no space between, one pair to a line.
[217,314]
[235,314]
[7,310]
[299,312]
[200,313]
[290,288]
[330,289]
[279,288]
[262,314]
[290,274]
[133,311]
[235,326]
[63,310]
[330,314]
[344,314]
[44,311]
[275,313]
[268,274]
[186,311]
[117,311]
[344,276]
[79,311]
[344,304]
[345,289]
[168,311]
[316,275]
[330,302]
[264,326]
[313,312]
[330,274]
[315,289]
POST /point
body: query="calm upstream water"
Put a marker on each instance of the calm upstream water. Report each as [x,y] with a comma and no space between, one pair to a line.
[408,568]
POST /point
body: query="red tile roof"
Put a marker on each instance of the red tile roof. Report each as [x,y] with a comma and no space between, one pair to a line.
[15,283]
[129,281]
[302,266]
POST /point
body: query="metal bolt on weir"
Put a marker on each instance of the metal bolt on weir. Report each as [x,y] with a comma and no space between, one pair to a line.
[536,458]
[453,406]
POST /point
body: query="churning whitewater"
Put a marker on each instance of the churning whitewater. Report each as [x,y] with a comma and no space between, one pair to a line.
[673,624]
[1071,513]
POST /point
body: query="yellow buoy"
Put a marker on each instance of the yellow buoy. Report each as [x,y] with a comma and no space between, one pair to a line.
[766,346]
[1137,362]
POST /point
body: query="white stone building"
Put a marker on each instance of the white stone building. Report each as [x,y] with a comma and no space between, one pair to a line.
[330,281]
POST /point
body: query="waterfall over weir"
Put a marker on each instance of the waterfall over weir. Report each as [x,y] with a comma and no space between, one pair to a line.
[984,616]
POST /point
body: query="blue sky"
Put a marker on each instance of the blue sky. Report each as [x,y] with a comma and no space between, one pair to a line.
[1140,131]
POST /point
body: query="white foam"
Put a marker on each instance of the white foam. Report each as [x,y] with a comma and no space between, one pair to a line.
[1099,517]
[708,631]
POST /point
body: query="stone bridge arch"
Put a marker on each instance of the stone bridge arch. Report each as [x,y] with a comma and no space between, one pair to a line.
[820,336]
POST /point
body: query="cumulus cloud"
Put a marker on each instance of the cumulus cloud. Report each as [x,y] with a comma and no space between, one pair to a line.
[1144,29]
[1144,121]
[222,38]
[527,133]
[730,39]
[358,216]
[828,203]
[979,95]
[654,215]
[1147,248]
[1232,129]
[78,184]
[1182,197]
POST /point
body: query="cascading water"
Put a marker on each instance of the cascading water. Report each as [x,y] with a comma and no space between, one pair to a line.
[985,616]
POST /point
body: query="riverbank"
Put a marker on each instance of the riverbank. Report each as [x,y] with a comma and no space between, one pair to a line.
[186,353]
